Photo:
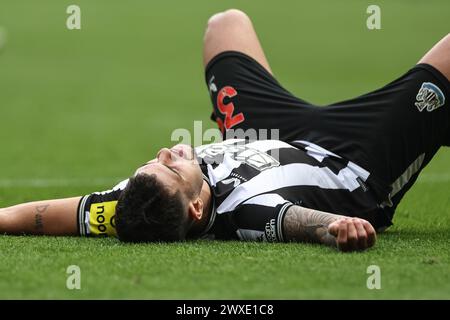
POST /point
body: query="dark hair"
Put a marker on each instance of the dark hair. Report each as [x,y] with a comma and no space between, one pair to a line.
[148,212]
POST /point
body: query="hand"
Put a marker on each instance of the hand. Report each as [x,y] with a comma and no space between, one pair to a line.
[353,234]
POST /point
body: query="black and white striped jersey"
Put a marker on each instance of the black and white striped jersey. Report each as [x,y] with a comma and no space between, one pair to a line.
[254,183]
[392,132]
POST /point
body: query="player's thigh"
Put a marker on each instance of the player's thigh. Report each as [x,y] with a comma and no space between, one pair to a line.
[439,56]
[232,30]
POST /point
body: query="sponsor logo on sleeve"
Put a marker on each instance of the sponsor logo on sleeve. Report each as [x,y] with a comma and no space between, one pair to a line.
[102,219]
[271,231]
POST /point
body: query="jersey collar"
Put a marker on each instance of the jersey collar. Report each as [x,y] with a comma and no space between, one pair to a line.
[212,215]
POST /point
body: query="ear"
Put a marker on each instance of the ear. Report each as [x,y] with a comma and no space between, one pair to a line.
[195,209]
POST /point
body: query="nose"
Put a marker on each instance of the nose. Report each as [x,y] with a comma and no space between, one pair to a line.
[164,156]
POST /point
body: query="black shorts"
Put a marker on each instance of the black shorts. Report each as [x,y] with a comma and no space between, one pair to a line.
[392,132]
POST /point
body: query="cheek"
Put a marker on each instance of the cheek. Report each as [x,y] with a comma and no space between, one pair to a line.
[199,176]
[195,175]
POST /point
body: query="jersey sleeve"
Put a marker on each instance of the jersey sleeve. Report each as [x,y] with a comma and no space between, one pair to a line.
[261,219]
[97,212]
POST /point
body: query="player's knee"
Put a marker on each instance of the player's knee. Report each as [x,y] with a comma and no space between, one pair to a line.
[447,38]
[222,31]
[227,18]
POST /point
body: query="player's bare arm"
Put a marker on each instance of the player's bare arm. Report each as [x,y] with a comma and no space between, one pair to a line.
[348,234]
[50,217]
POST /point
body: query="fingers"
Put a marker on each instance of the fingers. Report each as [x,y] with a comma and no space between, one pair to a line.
[353,234]
[371,234]
[352,237]
[342,235]
[333,228]
[362,234]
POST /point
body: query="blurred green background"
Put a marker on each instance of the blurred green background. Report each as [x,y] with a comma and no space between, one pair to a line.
[81,109]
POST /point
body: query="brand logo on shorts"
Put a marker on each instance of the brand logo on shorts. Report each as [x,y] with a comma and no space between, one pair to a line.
[212,85]
[429,97]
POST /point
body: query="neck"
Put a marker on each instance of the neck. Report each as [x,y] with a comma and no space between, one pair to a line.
[199,225]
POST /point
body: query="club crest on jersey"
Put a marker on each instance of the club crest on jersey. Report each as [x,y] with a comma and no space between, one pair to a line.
[429,97]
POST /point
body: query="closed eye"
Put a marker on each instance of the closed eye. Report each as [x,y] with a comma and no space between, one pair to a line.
[174,171]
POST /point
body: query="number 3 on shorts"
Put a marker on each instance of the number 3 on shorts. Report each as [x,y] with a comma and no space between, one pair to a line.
[228,109]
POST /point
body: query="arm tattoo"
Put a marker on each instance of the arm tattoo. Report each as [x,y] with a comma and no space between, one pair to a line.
[39,225]
[307,225]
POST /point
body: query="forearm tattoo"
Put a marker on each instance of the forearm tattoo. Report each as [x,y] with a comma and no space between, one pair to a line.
[39,224]
[307,225]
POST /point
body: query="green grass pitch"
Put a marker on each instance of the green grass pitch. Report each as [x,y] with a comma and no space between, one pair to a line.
[80,110]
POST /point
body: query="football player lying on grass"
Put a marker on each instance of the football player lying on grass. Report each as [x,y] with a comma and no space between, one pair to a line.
[356,159]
